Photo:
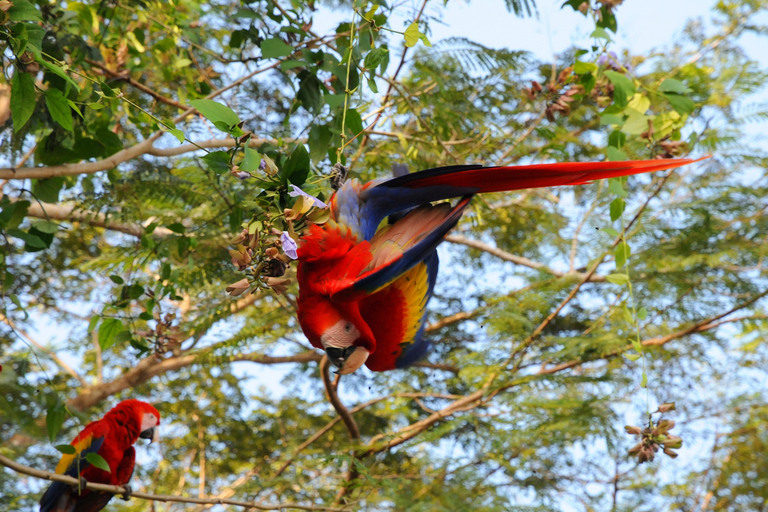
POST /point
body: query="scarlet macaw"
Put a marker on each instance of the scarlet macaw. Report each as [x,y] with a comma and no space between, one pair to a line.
[363,289]
[112,437]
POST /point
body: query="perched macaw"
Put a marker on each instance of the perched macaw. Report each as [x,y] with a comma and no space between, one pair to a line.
[363,288]
[112,437]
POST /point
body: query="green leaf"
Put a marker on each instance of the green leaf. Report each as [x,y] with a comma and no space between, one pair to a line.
[291,64]
[92,324]
[675,86]
[98,461]
[424,40]
[116,279]
[582,68]
[177,227]
[178,134]
[217,161]
[59,108]
[374,58]
[30,240]
[620,279]
[216,112]
[642,314]
[310,93]
[611,119]
[617,208]
[632,357]
[600,33]
[334,100]
[296,168]
[48,189]
[108,330]
[74,107]
[275,48]
[611,232]
[621,253]
[46,226]
[22,10]
[54,418]
[615,155]
[369,15]
[412,35]
[644,381]
[56,70]
[617,139]
[23,98]
[251,160]
[623,87]
[66,449]
[13,214]
[614,185]
[107,91]
[682,104]
[354,122]
[607,19]
[627,314]
[319,140]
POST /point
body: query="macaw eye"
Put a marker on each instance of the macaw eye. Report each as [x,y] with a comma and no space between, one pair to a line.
[347,327]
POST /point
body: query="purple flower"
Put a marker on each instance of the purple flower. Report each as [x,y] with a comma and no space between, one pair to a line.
[611,60]
[289,246]
[608,57]
[313,201]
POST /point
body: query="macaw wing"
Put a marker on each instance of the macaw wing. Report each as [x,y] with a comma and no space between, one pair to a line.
[396,316]
[399,247]
[56,497]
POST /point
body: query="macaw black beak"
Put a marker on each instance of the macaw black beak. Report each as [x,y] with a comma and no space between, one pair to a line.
[153,434]
[347,360]
[338,356]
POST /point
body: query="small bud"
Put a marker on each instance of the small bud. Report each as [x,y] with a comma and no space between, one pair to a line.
[636,431]
[667,407]
[670,452]
[536,86]
[279,284]
[238,288]
[271,252]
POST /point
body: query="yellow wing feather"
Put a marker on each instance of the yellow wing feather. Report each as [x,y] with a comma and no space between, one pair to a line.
[66,460]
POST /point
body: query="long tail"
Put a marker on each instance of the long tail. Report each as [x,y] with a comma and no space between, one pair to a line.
[446,182]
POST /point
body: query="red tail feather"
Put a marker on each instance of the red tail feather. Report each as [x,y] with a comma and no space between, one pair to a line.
[497,179]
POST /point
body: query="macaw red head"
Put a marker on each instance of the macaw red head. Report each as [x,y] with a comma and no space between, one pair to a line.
[340,330]
[141,415]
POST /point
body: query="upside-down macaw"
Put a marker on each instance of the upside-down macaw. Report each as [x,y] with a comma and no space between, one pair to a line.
[112,437]
[363,288]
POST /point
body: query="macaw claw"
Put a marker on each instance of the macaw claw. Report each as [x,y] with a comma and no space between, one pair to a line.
[128,492]
[81,485]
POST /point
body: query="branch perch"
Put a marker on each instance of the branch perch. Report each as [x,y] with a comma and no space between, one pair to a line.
[116,489]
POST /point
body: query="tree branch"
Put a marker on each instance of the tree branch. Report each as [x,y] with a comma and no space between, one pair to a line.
[64,366]
[349,421]
[517,260]
[116,489]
